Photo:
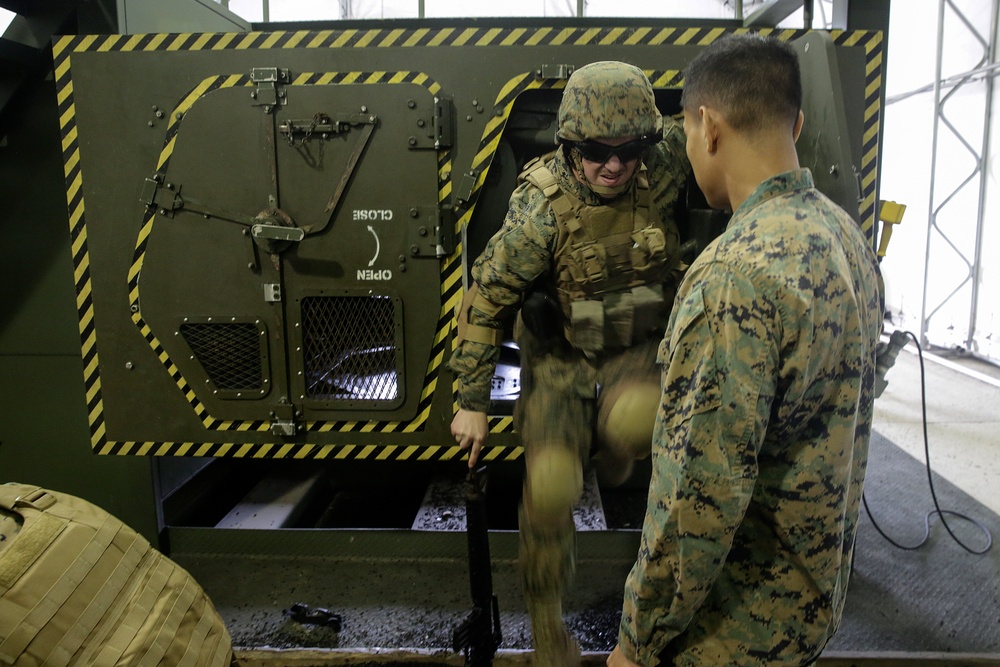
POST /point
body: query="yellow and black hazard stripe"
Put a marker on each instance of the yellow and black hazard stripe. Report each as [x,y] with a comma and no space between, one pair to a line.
[871,41]
[412,37]
[452,267]
[307,451]
[78,237]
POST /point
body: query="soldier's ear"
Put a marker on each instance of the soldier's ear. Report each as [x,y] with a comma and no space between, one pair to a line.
[710,127]
[797,130]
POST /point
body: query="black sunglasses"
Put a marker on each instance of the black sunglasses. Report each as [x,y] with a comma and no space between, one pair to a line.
[595,151]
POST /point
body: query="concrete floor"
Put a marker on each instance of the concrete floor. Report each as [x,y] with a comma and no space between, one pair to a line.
[963,419]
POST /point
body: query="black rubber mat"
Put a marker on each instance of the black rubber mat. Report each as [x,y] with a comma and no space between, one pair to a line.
[939,597]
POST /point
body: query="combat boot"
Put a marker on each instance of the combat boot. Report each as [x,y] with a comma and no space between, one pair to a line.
[554,646]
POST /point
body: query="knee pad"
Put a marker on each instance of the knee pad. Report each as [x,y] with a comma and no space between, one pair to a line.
[554,482]
[626,413]
[612,471]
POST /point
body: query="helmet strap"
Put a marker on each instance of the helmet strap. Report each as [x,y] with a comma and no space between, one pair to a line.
[611,192]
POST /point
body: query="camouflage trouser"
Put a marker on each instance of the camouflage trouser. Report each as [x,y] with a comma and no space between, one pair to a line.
[555,416]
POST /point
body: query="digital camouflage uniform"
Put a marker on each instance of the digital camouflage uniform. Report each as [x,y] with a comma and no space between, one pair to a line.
[761,441]
[556,409]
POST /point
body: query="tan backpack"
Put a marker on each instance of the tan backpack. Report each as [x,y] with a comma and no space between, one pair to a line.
[79,587]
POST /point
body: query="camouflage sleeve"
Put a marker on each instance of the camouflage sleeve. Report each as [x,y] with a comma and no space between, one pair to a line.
[667,163]
[674,143]
[474,364]
[719,361]
[668,170]
[513,259]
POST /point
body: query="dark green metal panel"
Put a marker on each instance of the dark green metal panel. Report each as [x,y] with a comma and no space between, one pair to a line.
[823,146]
[252,288]
[44,430]
[44,441]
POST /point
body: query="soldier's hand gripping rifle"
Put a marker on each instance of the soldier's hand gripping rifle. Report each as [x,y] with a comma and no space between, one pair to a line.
[478,636]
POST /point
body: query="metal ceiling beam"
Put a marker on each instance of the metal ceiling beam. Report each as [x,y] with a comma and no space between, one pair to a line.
[25,7]
[144,16]
[772,13]
[839,18]
[950,226]
[16,54]
[25,44]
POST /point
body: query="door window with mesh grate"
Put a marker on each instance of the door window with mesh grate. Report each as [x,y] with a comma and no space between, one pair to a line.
[349,348]
[229,352]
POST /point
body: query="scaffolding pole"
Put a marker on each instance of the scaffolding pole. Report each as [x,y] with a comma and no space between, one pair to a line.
[940,227]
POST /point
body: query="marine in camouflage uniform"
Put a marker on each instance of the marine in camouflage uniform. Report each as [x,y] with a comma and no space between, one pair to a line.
[599,332]
[761,441]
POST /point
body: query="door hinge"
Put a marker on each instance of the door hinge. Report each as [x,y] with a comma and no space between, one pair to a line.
[436,131]
[285,419]
[165,199]
[554,71]
[432,231]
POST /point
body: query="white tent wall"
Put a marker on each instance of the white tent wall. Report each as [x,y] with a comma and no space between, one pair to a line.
[906,153]
[301,10]
[936,244]
[988,329]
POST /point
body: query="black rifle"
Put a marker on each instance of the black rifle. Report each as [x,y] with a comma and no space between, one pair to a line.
[478,636]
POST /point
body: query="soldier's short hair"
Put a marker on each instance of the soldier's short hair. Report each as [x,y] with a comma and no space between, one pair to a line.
[753,81]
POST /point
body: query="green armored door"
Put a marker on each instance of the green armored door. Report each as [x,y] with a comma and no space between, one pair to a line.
[279,250]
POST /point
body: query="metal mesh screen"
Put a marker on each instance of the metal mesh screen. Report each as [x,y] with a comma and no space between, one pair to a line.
[349,348]
[228,351]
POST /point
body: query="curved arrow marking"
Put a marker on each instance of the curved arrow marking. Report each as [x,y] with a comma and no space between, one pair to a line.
[378,246]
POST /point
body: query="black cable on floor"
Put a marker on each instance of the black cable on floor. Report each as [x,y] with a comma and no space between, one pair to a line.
[930,481]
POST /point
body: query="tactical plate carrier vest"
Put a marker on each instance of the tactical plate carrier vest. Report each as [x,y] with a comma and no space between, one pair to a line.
[79,587]
[610,263]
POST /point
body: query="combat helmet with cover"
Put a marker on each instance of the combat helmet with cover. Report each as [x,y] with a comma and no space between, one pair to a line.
[607,99]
